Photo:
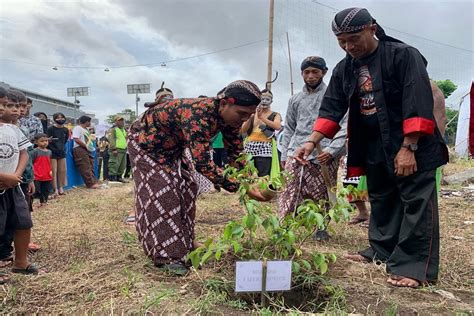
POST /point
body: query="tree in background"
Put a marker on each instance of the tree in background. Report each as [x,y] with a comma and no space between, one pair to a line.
[448,87]
[127,114]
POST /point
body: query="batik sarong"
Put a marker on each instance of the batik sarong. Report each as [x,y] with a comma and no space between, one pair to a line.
[165,202]
[306,182]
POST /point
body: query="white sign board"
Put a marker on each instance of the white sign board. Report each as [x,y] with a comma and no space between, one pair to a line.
[248,276]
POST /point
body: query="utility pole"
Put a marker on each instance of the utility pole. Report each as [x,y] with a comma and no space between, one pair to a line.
[270,44]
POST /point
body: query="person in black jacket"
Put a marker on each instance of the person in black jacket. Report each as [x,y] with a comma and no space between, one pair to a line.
[394,140]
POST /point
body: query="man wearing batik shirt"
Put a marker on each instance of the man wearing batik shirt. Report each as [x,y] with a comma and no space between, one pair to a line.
[393,139]
[303,109]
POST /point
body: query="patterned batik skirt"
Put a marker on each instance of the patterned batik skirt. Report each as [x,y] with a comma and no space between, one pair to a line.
[306,182]
[165,202]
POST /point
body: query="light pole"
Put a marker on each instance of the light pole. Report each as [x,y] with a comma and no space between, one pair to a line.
[75,92]
[138,89]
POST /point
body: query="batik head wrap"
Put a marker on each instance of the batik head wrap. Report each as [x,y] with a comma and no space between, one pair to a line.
[314,61]
[241,92]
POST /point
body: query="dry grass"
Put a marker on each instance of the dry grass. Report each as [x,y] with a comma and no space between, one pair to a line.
[95,264]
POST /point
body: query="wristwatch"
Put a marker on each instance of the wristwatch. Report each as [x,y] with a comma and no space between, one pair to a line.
[411,147]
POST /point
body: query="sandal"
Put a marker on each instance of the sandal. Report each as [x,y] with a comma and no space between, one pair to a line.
[4,278]
[357,220]
[176,269]
[30,269]
[130,220]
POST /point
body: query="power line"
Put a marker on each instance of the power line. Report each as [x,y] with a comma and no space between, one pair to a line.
[402,32]
[137,65]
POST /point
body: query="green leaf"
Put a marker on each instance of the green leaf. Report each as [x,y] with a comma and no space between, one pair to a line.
[206,256]
[227,231]
[195,259]
[318,259]
[296,267]
[306,264]
[237,230]
[237,246]
[323,268]
[332,257]
[291,237]
[319,220]
[218,254]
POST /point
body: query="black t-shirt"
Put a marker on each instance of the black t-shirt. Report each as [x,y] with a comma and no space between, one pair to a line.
[60,137]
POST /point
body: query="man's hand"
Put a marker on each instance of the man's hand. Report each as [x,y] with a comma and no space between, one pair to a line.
[10,180]
[282,164]
[405,163]
[302,153]
[324,158]
[115,152]
[31,188]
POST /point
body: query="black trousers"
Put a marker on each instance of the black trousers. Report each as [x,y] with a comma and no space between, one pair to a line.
[219,156]
[404,224]
[128,167]
[263,165]
[42,188]
[104,162]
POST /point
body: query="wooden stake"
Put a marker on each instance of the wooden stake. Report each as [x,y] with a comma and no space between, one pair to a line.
[263,298]
[289,61]
[270,44]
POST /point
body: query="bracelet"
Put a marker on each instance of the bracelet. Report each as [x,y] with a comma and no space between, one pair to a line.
[311,141]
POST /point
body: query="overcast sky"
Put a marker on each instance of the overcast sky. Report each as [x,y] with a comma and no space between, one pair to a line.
[107,33]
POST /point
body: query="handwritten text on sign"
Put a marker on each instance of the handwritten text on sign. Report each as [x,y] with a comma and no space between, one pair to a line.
[248,276]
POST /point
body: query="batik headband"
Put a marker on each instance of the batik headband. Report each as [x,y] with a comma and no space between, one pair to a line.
[241,92]
[352,20]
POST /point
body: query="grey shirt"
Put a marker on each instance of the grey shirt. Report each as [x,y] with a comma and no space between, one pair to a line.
[302,112]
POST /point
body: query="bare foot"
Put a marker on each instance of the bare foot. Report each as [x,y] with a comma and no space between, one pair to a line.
[356,257]
[94,186]
[400,281]
[196,244]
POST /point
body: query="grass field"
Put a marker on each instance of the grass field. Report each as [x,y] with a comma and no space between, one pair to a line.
[94,264]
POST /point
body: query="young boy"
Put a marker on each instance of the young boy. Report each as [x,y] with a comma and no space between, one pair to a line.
[41,157]
[59,137]
[82,152]
[14,213]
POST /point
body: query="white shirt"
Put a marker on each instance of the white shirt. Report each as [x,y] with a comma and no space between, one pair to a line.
[12,141]
[82,134]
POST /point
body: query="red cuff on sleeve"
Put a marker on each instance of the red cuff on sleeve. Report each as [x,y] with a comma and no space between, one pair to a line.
[418,124]
[355,172]
[326,127]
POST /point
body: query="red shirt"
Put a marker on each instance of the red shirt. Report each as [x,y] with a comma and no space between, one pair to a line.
[41,164]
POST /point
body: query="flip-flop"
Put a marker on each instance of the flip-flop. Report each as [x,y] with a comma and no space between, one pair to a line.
[33,247]
[6,261]
[30,269]
[357,220]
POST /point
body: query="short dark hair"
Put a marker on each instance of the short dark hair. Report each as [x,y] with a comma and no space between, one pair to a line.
[56,115]
[3,92]
[29,101]
[40,135]
[84,119]
[12,96]
[266,90]
[21,97]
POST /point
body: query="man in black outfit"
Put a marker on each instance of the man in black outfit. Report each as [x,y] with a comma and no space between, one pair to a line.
[393,139]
